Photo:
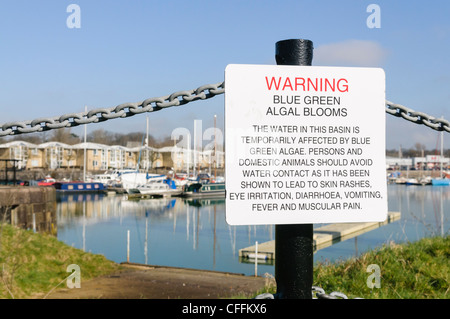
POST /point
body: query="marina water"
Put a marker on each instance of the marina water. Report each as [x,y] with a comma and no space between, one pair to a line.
[190,233]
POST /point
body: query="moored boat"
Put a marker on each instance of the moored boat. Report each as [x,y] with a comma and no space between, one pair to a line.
[425,180]
[440,181]
[204,190]
[157,188]
[400,180]
[444,179]
[412,181]
[131,181]
[107,178]
[46,182]
[78,187]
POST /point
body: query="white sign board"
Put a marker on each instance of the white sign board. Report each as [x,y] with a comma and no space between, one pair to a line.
[304,144]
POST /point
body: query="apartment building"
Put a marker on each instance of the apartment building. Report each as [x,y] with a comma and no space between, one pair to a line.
[56,155]
[26,154]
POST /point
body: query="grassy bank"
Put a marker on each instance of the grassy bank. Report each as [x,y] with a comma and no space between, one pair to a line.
[33,264]
[416,270]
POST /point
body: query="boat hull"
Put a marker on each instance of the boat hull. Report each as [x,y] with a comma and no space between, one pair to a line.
[157,188]
[203,195]
[77,187]
[170,192]
[412,181]
[198,190]
[440,182]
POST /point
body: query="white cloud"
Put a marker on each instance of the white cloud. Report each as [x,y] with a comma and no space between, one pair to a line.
[358,53]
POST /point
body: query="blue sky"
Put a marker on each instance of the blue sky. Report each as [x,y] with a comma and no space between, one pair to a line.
[127,51]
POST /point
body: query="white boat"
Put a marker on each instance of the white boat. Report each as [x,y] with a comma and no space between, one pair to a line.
[180,179]
[157,187]
[400,180]
[180,182]
[106,179]
[412,181]
[135,179]
[111,177]
[425,180]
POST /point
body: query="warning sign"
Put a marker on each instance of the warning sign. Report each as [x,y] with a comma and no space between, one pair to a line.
[304,144]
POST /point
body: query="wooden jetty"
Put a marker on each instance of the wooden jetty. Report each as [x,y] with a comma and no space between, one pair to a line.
[323,237]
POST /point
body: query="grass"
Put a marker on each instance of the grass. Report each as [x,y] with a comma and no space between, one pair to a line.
[419,270]
[33,264]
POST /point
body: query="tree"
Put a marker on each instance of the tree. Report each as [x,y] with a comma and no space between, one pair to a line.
[63,135]
[420,148]
[100,136]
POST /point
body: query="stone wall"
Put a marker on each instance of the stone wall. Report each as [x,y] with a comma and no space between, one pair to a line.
[29,207]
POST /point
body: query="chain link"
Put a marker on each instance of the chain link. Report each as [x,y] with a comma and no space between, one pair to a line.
[120,111]
[317,293]
[417,117]
[176,99]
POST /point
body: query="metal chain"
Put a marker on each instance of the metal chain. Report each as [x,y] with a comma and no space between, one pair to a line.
[176,99]
[103,114]
[417,117]
[317,293]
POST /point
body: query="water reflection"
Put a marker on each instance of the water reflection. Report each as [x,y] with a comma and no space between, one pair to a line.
[424,212]
[168,231]
[194,233]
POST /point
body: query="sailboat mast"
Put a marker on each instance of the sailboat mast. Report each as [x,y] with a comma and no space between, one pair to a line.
[442,152]
[215,150]
[146,150]
[85,148]
[195,146]
[188,154]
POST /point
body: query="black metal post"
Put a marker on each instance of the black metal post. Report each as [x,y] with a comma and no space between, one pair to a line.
[294,243]
[14,173]
[6,172]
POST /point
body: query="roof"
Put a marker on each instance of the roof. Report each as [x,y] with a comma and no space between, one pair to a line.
[90,146]
[93,146]
[54,144]
[18,143]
